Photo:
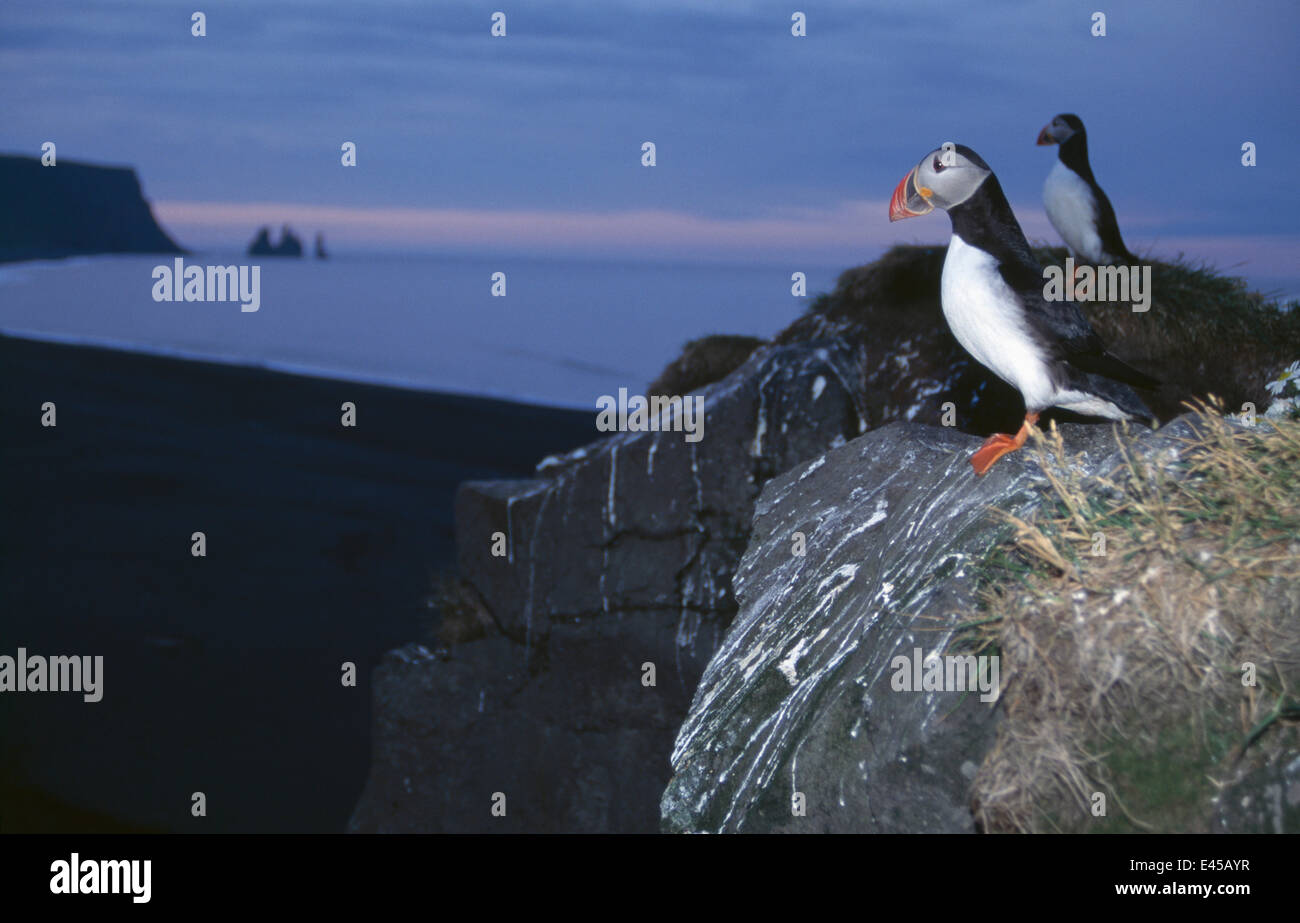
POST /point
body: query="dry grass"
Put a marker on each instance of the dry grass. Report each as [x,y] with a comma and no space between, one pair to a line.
[1123,671]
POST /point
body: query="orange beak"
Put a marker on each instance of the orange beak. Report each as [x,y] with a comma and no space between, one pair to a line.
[907,201]
[1044,137]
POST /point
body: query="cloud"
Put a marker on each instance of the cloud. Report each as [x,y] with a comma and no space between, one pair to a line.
[847,233]
[548,122]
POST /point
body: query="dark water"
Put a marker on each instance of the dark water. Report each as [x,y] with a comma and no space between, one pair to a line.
[221,673]
[565,333]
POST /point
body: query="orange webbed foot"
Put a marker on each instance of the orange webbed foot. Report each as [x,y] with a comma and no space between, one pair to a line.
[1000,444]
[993,448]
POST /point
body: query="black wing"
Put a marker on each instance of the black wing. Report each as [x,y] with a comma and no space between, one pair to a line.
[1061,326]
[1108,229]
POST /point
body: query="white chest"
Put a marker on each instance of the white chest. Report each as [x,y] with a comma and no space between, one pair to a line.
[985,317]
[1072,210]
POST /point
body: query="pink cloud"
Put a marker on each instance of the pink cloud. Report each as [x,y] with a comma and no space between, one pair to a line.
[841,235]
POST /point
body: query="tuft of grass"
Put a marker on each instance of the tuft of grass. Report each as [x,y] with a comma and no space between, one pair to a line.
[1124,671]
[894,297]
[704,361]
[1205,332]
[462,616]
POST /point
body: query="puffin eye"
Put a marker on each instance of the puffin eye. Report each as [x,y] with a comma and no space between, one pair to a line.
[938,166]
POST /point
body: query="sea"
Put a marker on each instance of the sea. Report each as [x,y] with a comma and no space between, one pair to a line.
[563,333]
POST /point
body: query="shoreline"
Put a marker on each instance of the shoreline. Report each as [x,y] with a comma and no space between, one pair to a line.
[281,368]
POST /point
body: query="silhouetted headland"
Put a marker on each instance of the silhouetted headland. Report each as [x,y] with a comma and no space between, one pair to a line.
[74,209]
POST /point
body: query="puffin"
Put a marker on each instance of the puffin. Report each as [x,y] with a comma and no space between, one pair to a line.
[1075,204]
[992,295]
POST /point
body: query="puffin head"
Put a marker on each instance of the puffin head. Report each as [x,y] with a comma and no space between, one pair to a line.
[1061,129]
[945,177]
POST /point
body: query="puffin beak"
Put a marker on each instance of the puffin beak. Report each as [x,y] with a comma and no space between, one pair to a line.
[1045,136]
[907,201]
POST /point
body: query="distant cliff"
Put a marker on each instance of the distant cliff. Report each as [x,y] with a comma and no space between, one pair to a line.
[74,209]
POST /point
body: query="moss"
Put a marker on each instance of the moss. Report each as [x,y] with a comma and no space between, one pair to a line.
[1163,786]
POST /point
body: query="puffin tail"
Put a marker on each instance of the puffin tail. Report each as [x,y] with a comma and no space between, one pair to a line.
[1116,369]
[1110,388]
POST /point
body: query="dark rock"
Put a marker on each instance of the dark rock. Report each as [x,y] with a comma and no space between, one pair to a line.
[573,747]
[74,209]
[799,696]
[649,520]
[618,555]
[289,244]
[261,245]
[1265,800]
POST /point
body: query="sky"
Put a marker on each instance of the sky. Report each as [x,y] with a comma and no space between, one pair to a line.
[769,147]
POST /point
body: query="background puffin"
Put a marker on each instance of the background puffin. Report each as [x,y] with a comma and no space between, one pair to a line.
[1076,206]
[992,294]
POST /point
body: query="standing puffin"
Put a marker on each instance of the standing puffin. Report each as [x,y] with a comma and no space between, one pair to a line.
[992,294]
[1076,206]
